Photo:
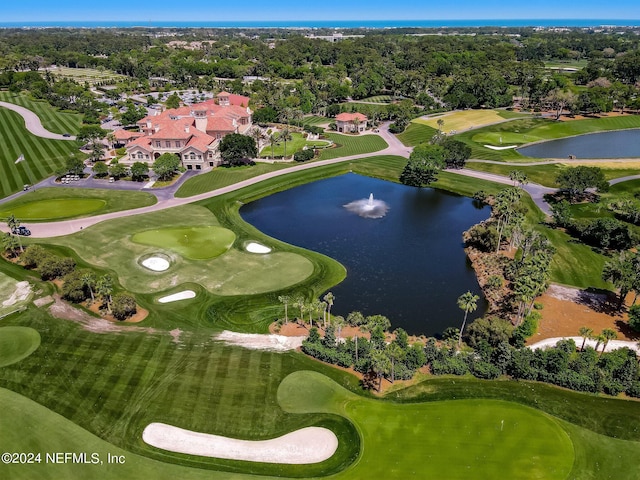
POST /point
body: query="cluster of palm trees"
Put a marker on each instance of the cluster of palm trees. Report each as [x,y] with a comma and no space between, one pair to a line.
[603,338]
[272,139]
[321,310]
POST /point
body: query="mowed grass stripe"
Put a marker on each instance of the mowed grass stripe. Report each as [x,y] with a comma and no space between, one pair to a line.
[115,392]
[15,144]
[51,117]
[234,356]
[274,370]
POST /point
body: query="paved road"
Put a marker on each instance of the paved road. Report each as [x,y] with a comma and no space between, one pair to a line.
[167,200]
[33,123]
[55,229]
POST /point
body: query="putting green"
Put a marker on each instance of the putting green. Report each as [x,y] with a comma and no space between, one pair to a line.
[55,208]
[196,243]
[17,343]
[454,440]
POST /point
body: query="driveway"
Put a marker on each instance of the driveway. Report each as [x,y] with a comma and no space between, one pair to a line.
[33,123]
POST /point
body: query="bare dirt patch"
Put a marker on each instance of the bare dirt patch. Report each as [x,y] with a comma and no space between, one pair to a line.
[61,309]
[567,309]
[41,302]
[140,314]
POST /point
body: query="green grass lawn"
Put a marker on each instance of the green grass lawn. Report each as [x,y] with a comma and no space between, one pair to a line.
[17,343]
[416,133]
[463,120]
[315,120]
[223,176]
[544,174]
[42,156]
[523,131]
[378,99]
[235,273]
[296,143]
[46,204]
[453,440]
[91,76]
[52,118]
[195,243]
[347,145]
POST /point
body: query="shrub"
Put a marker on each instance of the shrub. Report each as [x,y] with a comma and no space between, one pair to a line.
[483,238]
[485,370]
[55,267]
[33,256]
[123,306]
[396,128]
[450,366]
[634,317]
[303,155]
[73,288]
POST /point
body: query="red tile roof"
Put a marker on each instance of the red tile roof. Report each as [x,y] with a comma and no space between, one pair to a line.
[350,117]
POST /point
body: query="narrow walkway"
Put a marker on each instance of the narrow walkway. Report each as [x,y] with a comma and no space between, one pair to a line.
[612,345]
[33,123]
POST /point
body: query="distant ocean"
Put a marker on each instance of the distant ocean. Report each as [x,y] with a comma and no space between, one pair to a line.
[344,24]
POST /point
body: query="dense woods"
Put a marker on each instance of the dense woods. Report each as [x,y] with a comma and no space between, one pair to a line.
[476,68]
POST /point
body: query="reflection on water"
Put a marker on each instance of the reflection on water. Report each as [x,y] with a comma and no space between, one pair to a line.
[619,144]
[408,265]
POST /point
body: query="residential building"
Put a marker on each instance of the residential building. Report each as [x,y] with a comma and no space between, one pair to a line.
[351,122]
[190,132]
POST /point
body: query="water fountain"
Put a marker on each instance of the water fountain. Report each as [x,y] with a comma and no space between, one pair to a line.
[368,208]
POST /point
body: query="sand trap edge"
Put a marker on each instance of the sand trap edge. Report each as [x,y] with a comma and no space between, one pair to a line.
[304,446]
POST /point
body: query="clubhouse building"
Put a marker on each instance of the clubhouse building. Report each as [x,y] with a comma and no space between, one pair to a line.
[190,132]
[351,122]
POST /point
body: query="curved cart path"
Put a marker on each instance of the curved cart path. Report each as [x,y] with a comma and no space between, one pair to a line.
[33,123]
[395,147]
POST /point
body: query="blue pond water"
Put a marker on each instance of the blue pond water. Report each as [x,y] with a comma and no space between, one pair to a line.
[408,265]
[618,144]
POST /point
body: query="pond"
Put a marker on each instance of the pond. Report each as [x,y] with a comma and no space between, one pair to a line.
[617,144]
[408,265]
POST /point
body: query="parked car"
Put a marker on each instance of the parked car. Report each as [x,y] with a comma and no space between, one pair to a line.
[21,231]
[66,134]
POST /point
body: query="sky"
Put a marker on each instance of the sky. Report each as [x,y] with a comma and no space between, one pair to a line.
[275,10]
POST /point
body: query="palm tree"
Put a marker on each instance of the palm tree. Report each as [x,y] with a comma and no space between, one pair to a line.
[299,302]
[599,340]
[273,140]
[395,353]
[88,280]
[284,299]
[585,333]
[380,365]
[9,244]
[339,322]
[104,288]
[440,123]
[608,334]
[257,134]
[518,177]
[13,223]
[329,298]
[285,136]
[467,302]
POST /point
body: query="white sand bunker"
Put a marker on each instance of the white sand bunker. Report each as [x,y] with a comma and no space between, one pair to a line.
[256,341]
[157,264]
[307,445]
[507,147]
[22,291]
[255,247]
[185,294]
